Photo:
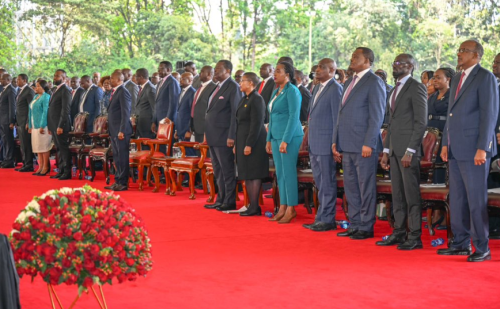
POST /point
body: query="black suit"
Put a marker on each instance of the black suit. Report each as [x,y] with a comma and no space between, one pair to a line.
[304,107]
[144,110]
[7,117]
[58,116]
[220,126]
[266,93]
[200,109]
[75,102]
[24,99]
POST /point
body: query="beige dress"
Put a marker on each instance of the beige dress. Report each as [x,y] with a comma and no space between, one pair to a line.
[40,142]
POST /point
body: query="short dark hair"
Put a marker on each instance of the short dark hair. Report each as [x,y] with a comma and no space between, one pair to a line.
[142,72]
[286,59]
[252,77]
[189,63]
[299,74]
[62,71]
[227,64]
[45,85]
[429,74]
[290,71]
[448,72]
[86,77]
[168,65]
[23,77]
[368,53]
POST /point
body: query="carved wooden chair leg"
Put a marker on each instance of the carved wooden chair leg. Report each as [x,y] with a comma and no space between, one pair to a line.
[148,175]
[429,220]
[315,199]
[210,179]
[140,177]
[179,181]
[172,173]
[203,175]
[168,182]
[92,169]
[191,184]
[261,198]
[156,176]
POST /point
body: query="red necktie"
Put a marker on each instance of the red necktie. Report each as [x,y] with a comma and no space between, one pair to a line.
[351,85]
[111,97]
[261,86]
[459,85]
[195,100]
[394,94]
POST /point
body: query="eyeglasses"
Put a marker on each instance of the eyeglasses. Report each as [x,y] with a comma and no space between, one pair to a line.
[399,63]
[465,50]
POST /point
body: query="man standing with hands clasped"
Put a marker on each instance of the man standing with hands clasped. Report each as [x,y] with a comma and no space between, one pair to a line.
[407,123]
[468,143]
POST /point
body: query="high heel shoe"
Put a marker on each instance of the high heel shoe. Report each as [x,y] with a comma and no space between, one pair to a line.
[44,174]
[279,215]
[36,173]
[438,222]
[289,216]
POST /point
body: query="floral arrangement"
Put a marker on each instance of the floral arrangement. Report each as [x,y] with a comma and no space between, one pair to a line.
[80,236]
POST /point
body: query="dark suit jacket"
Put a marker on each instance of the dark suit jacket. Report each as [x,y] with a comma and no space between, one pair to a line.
[324,111]
[8,106]
[144,110]
[184,113]
[133,89]
[304,107]
[75,102]
[119,112]
[408,121]
[59,109]
[196,82]
[23,105]
[472,115]
[266,93]
[220,119]
[200,110]
[438,108]
[167,97]
[361,117]
[92,105]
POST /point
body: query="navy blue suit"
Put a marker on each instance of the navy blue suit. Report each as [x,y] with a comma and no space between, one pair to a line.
[184,113]
[359,122]
[119,121]
[167,97]
[323,113]
[92,105]
[472,116]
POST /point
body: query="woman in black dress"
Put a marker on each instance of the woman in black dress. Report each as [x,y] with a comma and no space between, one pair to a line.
[250,148]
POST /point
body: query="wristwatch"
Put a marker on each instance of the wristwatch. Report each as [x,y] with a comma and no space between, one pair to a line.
[409,153]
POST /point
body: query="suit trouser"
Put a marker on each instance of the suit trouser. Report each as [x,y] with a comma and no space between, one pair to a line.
[468,203]
[225,173]
[62,145]
[286,170]
[120,156]
[406,200]
[360,185]
[26,150]
[324,169]
[7,136]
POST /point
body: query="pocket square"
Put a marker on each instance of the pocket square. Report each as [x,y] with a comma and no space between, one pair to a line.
[221,98]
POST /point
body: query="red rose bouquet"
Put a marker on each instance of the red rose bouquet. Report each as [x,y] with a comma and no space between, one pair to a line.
[80,236]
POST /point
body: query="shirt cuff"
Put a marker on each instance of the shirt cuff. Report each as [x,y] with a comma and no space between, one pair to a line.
[410,150]
[386,150]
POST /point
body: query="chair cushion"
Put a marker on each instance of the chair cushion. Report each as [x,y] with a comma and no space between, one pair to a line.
[340,181]
[98,152]
[143,155]
[305,177]
[187,162]
[434,193]
[384,187]
[425,164]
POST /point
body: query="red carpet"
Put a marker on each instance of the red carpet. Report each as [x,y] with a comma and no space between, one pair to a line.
[206,259]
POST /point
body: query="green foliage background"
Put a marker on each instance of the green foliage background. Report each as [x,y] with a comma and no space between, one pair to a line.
[95,35]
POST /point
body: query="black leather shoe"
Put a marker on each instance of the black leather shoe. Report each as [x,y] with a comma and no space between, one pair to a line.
[112,187]
[347,233]
[65,177]
[26,169]
[251,212]
[119,187]
[11,165]
[225,207]
[391,241]
[455,251]
[308,226]
[479,257]
[56,175]
[361,235]
[323,227]
[18,169]
[212,206]
[411,244]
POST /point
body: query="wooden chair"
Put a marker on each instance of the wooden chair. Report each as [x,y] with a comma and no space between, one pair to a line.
[430,149]
[77,139]
[141,159]
[100,150]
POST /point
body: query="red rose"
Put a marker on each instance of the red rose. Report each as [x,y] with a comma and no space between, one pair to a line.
[87,282]
[94,249]
[78,236]
[88,264]
[130,262]
[26,235]
[66,263]
[100,237]
[116,270]
[122,278]
[87,219]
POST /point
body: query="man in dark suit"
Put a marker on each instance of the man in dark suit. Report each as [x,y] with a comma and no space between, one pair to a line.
[220,132]
[90,101]
[357,135]
[120,130]
[306,96]
[96,78]
[200,103]
[468,143]
[324,110]
[7,120]
[167,95]
[24,98]
[267,85]
[408,121]
[145,104]
[58,123]
[155,79]
[76,96]
[191,68]
[132,87]
[184,109]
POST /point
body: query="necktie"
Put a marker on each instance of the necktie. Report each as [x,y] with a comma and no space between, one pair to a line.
[317,94]
[459,85]
[111,97]
[195,100]
[140,90]
[159,86]
[213,95]
[351,85]
[73,93]
[394,95]
[261,86]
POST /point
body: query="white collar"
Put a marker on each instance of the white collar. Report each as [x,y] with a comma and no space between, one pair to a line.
[205,83]
[362,73]
[326,83]
[403,80]
[467,71]
[267,79]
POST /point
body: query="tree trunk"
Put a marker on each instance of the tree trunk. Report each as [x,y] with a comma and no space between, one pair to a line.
[254,34]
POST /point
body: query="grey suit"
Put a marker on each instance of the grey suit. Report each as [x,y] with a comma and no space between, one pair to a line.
[133,89]
[22,110]
[144,110]
[7,117]
[196,82]
[200,109]
[407,124]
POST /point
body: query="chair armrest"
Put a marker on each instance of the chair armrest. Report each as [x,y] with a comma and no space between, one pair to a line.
[186,144]
[157,142]
[94,134]
[106,135]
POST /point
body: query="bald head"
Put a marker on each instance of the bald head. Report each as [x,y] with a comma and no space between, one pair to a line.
[266,70]
[127,74]
[206,73]
[186,79]
[325,70]
[116,79]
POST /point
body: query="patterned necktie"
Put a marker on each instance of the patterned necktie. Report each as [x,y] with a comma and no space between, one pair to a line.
[351,85]
[459,85]
[394,94]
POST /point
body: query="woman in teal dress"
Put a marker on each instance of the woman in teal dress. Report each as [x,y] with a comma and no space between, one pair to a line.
[284,138]
[41,140]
